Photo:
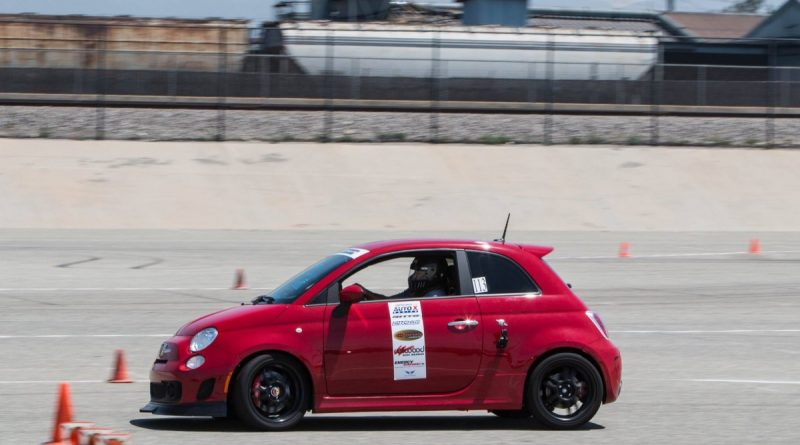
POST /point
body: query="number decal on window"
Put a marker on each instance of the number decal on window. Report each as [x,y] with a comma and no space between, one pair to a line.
[479,285]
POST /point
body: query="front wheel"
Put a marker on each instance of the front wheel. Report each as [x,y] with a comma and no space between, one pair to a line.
[564,391]
[271,393]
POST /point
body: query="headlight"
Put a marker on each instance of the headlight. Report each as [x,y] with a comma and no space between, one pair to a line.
[195,362]
[203,339]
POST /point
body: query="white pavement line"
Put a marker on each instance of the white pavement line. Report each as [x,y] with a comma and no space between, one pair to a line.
[721,331]
[672,255]
[93,289]
[85,336]
[761,382]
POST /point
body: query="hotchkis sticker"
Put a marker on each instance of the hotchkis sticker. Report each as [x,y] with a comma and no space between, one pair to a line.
[408,340]
[479,285]
[353,252]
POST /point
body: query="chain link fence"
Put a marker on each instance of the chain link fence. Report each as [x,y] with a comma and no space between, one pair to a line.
[103,93]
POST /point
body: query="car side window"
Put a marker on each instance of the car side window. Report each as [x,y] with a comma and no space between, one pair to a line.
[495,274]
[385,277]
[394,277]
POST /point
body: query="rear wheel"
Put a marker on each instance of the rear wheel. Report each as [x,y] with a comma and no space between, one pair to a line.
[271,393]
[564,391]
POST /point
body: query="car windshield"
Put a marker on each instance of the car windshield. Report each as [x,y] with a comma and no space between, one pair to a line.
[292,289]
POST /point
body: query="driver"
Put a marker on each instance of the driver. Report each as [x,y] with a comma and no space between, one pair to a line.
[426,278]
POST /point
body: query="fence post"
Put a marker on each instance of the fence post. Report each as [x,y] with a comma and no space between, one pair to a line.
[656,92]
[172,85]
[434,93]
[327,130]
[221,83]
[771,93]
[549,73]
[355,78]
[701,85]
[264,73]
[531,99]
[100,113]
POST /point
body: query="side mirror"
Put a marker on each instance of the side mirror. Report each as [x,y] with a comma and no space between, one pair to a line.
[351,294]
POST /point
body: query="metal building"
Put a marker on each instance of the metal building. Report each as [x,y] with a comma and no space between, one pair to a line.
[349,10]
[495,12]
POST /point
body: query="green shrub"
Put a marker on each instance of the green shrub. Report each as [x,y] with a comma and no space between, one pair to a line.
[391,137]
[491,139]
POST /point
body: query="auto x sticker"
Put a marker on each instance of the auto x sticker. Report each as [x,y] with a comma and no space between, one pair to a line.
[479,285]
[408,340]
[353,252]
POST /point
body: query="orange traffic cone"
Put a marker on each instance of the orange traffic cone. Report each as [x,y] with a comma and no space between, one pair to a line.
[71,431]
[114,439]
[755,246]
[91,435]
[120,370]
[63,413]
[239,283]
[624,250]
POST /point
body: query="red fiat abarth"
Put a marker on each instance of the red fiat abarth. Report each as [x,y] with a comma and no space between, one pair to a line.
[392,326]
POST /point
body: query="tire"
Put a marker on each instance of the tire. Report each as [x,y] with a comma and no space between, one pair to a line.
[565,391]
[271,393]
[511,413]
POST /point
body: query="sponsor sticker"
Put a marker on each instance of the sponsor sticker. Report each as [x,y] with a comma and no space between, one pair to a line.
[479,285]
[408,340]
[353,252]
[408,335]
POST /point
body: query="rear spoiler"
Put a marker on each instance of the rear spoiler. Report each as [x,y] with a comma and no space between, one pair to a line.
[539,251]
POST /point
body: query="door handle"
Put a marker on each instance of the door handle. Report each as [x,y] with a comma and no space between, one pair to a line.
[463,324]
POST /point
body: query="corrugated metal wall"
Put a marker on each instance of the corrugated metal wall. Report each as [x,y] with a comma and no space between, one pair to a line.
[33,41]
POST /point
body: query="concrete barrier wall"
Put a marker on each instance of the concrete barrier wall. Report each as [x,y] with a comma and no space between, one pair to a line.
[260,186]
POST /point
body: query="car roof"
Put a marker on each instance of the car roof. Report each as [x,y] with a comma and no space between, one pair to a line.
[388,246]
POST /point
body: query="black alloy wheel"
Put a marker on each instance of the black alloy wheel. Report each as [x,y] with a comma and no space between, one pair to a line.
[564,391]
[271,393]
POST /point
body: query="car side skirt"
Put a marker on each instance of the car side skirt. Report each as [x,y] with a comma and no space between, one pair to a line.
[507,390]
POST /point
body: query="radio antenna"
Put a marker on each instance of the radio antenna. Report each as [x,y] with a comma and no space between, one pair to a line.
[505,229]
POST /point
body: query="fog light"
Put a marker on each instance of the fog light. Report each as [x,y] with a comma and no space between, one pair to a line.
[195,362]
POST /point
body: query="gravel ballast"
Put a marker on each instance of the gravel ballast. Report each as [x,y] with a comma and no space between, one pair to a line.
[346,126]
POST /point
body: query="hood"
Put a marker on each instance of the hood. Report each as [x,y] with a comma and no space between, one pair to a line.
[235,318]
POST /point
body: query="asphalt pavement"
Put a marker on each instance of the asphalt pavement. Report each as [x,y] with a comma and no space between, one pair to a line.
[710,334]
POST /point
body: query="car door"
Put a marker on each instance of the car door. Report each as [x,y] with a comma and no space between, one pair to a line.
[505,294]
[427,345]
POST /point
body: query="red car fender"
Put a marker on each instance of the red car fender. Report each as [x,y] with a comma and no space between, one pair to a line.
[288,336]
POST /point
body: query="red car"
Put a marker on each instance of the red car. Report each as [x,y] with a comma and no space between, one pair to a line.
[472,325]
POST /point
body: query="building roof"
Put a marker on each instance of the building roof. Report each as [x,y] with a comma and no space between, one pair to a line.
[586,20]
[782,23]
[120,20]
[708,25]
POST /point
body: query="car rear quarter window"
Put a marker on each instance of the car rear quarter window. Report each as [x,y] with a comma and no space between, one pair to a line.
[496,274]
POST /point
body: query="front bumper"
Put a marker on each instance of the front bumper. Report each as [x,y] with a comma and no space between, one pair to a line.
[212,409]
[179,391]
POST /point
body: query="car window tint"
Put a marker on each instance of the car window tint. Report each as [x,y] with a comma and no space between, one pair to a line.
[495,274]
[292,289]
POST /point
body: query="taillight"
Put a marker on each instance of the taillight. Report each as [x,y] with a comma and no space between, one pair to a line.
[598,323]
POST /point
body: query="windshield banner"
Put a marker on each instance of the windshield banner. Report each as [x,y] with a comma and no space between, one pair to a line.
[408,340]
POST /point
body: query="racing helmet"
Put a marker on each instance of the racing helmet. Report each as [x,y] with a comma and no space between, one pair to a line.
[426,273]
